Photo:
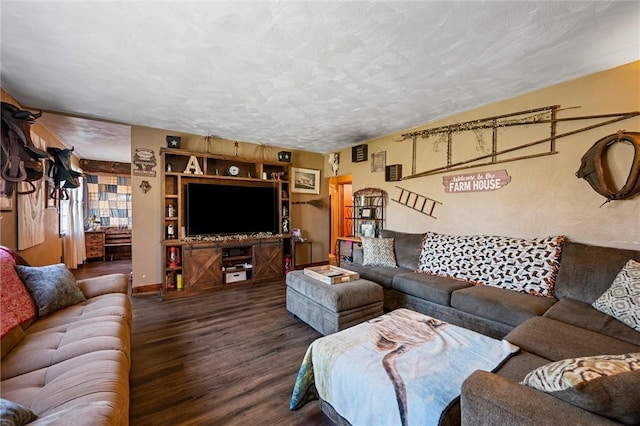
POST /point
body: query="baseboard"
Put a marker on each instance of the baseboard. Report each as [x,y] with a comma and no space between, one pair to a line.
[146,289]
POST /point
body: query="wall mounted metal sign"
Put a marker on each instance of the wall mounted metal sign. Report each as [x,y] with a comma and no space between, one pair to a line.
[145,162]
[476,182]
[145,186]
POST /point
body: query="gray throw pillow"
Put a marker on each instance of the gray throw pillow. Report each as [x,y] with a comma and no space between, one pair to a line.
[15,414]
[52,287]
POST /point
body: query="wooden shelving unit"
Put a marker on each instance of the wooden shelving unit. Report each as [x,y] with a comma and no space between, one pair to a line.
[367,212]
[202,262]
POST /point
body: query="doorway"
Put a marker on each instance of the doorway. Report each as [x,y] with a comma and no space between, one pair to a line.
[341,194]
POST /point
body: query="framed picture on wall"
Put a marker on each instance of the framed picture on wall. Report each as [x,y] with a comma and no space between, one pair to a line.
[378,160]
[367,229]
[306,181]
[366,213]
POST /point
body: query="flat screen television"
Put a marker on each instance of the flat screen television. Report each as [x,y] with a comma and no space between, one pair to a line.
[219,209]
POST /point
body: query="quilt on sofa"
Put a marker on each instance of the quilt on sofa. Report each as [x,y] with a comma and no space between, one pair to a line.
[405,367]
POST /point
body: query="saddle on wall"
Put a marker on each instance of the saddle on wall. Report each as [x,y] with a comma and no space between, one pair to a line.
[61,172]
[20,160]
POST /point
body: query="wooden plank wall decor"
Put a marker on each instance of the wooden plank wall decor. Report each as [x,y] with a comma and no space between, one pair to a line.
[544,115]
[31,208]
[109,167]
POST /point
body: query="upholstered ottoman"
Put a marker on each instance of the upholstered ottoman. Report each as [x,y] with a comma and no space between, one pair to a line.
[330,308]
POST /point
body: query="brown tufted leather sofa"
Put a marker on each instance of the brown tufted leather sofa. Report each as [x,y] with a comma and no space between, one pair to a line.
[72,366]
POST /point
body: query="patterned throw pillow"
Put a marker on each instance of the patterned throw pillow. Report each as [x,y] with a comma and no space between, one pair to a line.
[606,384]
[53,287]
[523,265]
[622,300]
[16,305]
[378,252]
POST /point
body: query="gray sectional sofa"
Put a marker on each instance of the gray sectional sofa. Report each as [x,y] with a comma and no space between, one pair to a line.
[546,329]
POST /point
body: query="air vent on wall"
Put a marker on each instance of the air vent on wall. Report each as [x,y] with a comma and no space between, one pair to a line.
[393,173]
[359,153]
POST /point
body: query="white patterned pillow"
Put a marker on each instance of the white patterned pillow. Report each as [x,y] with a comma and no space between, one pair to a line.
[604,384]
[567,373]
[378,252]
[622,300]
[523,265]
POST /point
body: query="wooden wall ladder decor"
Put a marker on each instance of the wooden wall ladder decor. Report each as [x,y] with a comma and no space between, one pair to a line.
[543,115]
[417,202]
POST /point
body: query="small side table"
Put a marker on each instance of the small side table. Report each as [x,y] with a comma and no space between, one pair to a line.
[348,251]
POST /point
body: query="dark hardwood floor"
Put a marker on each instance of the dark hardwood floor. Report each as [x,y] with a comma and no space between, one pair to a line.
[93,269]
[223,358]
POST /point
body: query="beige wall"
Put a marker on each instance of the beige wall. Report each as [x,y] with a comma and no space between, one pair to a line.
[312,220]
[544,196]
[50,251]
[147,228]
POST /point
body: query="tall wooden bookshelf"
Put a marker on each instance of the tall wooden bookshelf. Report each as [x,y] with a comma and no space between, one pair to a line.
[211,263]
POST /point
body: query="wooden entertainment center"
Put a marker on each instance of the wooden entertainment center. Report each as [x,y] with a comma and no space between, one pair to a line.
[193,264]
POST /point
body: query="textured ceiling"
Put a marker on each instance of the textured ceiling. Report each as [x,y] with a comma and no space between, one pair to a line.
[316,76]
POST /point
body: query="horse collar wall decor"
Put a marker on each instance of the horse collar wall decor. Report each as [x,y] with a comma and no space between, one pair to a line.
[593,171]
